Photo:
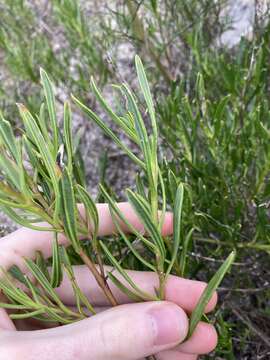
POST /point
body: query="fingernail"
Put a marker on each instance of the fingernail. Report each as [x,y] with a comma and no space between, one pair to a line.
[170,324]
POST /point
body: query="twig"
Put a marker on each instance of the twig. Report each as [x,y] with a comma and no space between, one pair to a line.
[247,290]
[212,259]
[139,33]
[251,326]
[99,279]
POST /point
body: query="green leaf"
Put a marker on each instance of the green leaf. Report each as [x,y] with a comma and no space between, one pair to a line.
[131,294]
[128,243]
[35,135]
[200,88]
[27,315]
[42,123]
[208,293]
[140,186]
[43,281]
[50,101]
[147,144]
[7,285]
[57,274]
[90,208]
[177,215]
[172,183]
[21,219]
[139,124]
[79,169]
[164,200]
[35,291]
[79,295]
[69,209]
[14,306]
[142,209]
[8,139]
[11,170]
[117,211]
[183,256]
[12,204]
[146,93]
[7,192]
[108,131]
[125,275]
[16,272]
[68,135]
[33,155]
[25,189]
[117,119]
[42,264]
[221,108]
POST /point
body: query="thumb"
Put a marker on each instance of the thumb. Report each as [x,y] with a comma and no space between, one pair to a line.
[126,332]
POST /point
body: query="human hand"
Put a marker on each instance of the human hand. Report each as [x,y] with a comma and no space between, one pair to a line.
[130,331]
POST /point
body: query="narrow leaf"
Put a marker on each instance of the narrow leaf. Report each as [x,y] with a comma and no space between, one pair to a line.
[125,275]
[43,125]
[57,274]
[146,93]
[128,243]
[80,297]
[50,101]
[177,215]
[41,263]
[108,132]
[90,208]
[183,256]
[143,211]
[26,315]
[208,292]
[35,135]
[69,209]
[117,119]
[68,135]
[10,169]
[131,294]
[43,281]
[8,138]
[120,215]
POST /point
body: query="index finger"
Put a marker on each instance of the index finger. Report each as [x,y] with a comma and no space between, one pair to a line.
[25,242]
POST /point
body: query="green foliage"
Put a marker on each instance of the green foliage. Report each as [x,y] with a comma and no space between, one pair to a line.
[208,292]
[220,144]
[58,205]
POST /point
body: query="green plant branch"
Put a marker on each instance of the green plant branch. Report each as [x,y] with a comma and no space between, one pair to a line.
[53,195]
[141,36]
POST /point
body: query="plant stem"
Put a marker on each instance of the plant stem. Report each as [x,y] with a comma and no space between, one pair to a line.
[251,244]
[99,278]
[139,34]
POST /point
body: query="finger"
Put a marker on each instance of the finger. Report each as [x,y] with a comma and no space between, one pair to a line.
[202,341]
[25,242]
[35,324]
[174,355]
[5,322]
[125,332]
[107,226]
[182,292]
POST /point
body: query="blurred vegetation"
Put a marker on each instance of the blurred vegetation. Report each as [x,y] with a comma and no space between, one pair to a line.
[213,113]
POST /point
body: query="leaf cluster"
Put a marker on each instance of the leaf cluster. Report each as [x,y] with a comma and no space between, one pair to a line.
[42,178]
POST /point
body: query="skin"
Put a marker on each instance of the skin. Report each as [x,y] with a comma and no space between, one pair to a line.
[130,331]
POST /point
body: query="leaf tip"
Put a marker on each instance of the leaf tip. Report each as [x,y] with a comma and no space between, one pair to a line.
[21,107]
